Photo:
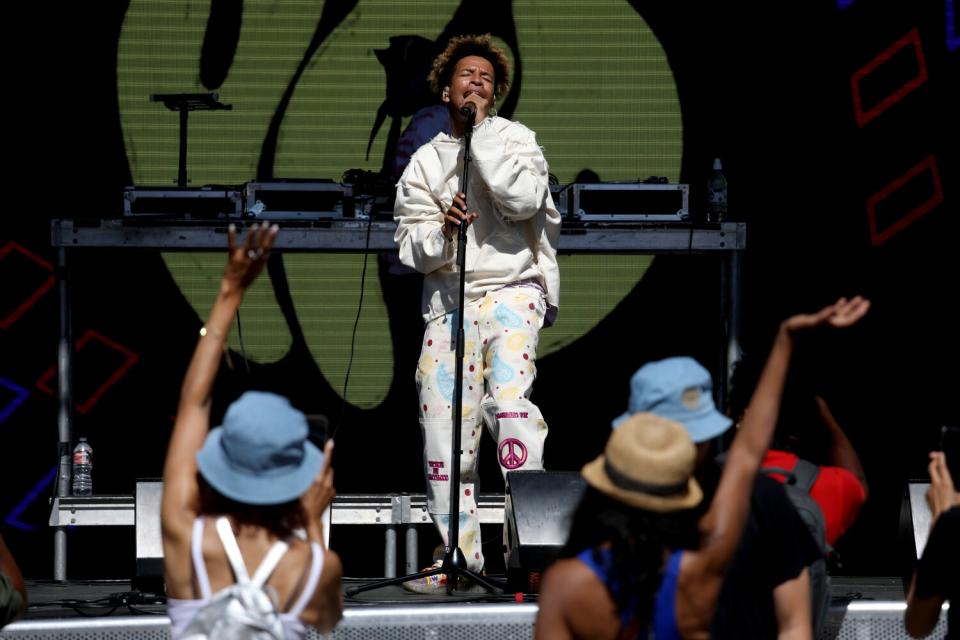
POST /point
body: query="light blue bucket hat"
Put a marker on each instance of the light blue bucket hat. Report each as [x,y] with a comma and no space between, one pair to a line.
[679,389]
[260,455]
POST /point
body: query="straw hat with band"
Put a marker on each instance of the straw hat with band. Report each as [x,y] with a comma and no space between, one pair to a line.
[648,463]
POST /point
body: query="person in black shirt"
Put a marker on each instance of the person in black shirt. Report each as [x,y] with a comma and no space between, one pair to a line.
[937,576]
[769,569]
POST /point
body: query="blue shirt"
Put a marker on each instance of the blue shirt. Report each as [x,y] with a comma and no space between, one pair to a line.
[664,624]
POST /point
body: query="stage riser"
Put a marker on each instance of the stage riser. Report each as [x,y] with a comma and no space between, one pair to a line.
[877,621]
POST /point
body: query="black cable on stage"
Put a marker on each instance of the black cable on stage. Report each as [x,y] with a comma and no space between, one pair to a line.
[356,323]
[105,606]
[464,598]
[243,350]
[89,614]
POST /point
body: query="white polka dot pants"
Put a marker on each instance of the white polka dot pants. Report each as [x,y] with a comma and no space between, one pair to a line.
[501,331]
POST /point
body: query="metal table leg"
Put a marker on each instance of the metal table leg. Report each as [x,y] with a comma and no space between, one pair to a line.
[390,552]
[412,544]
[64,412]
[729,324]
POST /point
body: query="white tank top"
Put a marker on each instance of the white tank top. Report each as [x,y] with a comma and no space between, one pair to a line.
[181,612]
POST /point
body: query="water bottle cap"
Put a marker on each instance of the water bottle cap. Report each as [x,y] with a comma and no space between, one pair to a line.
[717,165]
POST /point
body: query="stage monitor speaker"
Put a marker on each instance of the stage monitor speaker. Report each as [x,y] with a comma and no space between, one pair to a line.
[915,518]
[914,529]
[538,510]
[149,544]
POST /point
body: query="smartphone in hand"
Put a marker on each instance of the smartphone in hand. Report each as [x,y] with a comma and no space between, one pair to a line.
[319,427]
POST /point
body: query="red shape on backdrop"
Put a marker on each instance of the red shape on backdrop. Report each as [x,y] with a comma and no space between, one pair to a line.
[112,379]
[878,236]
[37,294]
[863,117]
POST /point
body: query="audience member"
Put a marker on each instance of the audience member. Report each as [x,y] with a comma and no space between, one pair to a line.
[937,576]
[246,488]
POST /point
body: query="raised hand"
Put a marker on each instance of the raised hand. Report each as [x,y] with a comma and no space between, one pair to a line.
[246,261]
[842,313]
[455,215]
[942,494]
[320,494]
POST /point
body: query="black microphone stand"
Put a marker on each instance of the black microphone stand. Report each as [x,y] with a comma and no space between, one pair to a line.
[454,565]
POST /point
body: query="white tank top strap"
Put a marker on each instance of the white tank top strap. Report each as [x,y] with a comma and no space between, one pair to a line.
[196,550]
[267,565]
[316,568]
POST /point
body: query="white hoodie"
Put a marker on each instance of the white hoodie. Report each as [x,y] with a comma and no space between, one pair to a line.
[514,239]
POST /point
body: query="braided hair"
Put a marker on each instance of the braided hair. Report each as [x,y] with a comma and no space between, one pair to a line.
[637,539]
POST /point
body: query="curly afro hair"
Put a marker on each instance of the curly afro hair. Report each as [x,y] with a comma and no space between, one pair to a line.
[462,46]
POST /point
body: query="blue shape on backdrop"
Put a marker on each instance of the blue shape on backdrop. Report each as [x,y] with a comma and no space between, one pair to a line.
[19,397]
[953,40]
[13,518]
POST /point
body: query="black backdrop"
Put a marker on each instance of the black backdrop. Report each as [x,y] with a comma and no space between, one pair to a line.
[767,87]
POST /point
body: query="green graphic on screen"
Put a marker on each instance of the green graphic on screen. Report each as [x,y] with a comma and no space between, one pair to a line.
[596,88]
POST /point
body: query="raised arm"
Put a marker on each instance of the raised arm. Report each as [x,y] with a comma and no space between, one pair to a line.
[927,588]
[722,525]
[326,606]
[842,453]
[942,494]
[319,496]
[180,490]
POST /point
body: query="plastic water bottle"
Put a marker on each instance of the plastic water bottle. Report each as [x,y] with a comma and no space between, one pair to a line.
[717,194]
[83,469]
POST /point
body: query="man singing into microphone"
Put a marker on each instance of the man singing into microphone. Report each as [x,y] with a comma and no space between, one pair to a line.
[512,281]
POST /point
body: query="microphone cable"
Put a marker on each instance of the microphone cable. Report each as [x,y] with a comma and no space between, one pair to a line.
[243,350]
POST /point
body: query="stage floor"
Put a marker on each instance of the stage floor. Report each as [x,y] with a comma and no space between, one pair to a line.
[869,607]
[117,597]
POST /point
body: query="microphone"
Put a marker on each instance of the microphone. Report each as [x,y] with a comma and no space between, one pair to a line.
[469,111]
